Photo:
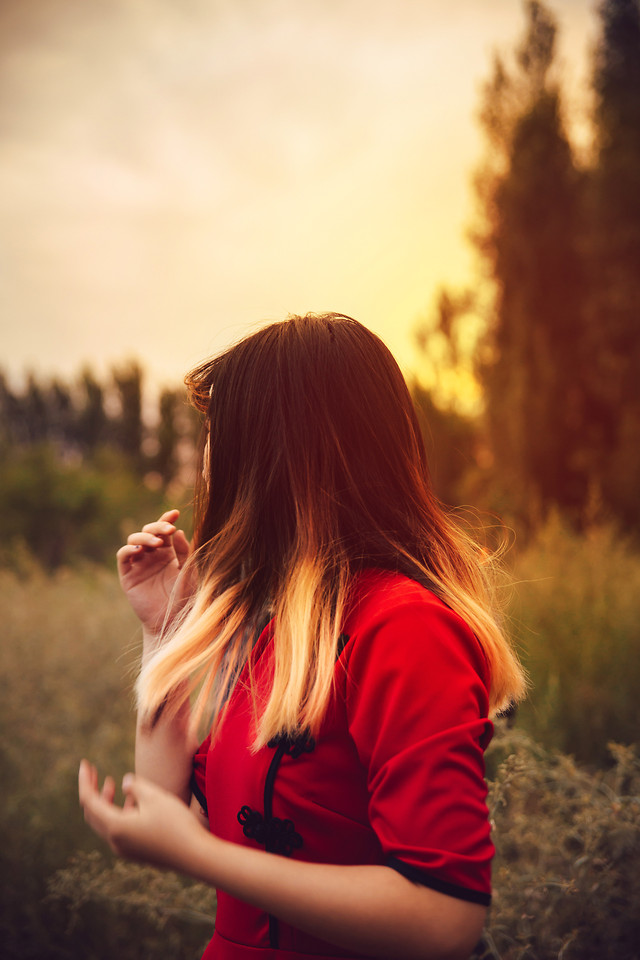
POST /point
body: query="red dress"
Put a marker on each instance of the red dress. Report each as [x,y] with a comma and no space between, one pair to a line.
[395,775]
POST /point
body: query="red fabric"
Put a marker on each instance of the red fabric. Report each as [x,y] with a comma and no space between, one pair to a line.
[397,772]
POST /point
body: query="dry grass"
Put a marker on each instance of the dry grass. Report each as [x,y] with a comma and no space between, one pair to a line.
[568,838]
[566,883]
[576,612]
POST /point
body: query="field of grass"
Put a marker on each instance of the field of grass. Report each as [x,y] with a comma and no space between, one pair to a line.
[567,834]
[576,616]
[67,662]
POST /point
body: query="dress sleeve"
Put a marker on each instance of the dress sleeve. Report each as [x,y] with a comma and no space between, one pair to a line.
[199,774]
[417,704]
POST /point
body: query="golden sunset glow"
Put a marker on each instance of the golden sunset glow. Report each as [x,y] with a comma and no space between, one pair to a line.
[172,174]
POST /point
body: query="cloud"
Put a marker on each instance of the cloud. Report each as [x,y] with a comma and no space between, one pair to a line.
[222,161]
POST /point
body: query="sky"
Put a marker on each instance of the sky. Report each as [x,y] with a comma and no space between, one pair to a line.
[173,173]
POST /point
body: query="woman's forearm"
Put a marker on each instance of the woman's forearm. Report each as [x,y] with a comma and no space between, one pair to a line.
[164,750]
[370,909]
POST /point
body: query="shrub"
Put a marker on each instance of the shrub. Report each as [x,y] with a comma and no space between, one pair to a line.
[576,615]
[64,512]
[565,878]
[66,664]
[568,840]
[104,910]
[566,883]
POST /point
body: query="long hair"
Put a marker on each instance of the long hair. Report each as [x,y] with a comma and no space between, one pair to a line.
[313,468]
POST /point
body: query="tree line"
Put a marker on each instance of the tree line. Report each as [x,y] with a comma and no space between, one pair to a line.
[80,418]
[558,236]
[557,359]
[85,462]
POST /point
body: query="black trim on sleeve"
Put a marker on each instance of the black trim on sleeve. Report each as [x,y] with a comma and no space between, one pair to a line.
[442,886]
[198,794]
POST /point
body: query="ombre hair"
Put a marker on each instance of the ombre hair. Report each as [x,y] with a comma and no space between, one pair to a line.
[313,468]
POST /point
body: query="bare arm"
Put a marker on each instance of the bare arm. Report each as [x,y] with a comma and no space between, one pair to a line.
[150,566]
[164,752]
[370,909]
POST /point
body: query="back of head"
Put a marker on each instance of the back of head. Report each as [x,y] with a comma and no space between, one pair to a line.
[313,446]
[313,468]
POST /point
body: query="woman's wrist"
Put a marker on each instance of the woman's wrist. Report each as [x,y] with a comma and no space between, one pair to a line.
[151,641]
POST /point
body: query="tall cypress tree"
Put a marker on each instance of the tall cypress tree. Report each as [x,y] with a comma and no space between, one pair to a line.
[615,248]
[61,415]
[11,426]
[166,459]
[91,426]
[128,426]
[532,366]
[35,411]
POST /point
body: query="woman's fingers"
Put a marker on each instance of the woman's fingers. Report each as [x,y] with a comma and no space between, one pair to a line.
[143,539]
[133,788]
[88,786]
[127,556]
[152,826]
[127,552]
[158,533]
[161,528]
[108,792]
[87,780]
[103,816]
[96,807]
[181,546]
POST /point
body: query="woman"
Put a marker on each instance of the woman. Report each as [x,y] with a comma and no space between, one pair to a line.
[338,628]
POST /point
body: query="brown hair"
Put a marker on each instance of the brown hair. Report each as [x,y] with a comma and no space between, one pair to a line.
[313,469]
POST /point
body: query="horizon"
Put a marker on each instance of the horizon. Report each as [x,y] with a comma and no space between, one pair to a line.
[170,179]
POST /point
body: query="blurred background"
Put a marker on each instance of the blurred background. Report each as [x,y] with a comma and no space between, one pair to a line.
[464,178]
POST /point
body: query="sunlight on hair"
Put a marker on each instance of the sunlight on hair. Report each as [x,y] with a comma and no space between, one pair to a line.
[313,470]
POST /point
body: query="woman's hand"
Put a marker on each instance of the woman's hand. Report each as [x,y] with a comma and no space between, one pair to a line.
[370,909]
[153,826]
[150,565]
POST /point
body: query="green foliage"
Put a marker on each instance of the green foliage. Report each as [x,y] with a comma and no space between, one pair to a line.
[614,256]
[165,461]
[120,909]
[616,83]
[566,883]
[567,839]
[531,360]
[555,338]
[67,660]
[64,512]
[450,442]
[81,418]
[576,614]
[75,479]
[90,419]
[128,427]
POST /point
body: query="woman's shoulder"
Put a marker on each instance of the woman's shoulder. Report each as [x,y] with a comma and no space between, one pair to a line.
[378,595]
[400,618]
